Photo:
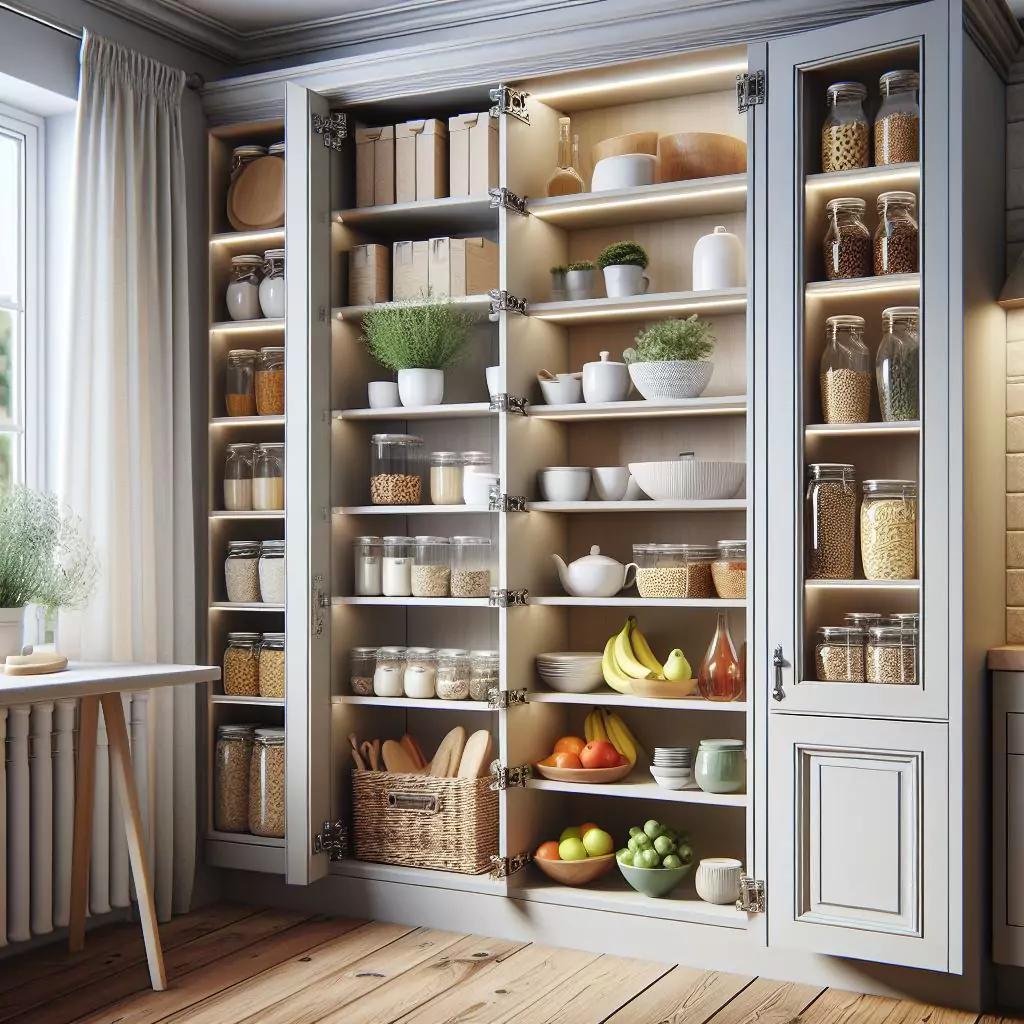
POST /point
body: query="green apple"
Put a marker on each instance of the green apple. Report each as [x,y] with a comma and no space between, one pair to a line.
[647,859]
[598,842]
[664,845]
[572,849]
[572,832]
[625,856]
[653,829]
[684,853]
[671,861]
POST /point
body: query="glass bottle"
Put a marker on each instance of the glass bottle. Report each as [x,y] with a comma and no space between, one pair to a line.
[239,382]
[845,372]
[896,126]
[844,135]
[896,234]
[847,245]
[897,363]
[566,180]
[721,675]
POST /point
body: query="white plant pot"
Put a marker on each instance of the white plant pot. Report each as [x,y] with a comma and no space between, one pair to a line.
[622,281]
[12,631]
[718,262]
[383,394]
[421,387]
[579,284]
[673,378]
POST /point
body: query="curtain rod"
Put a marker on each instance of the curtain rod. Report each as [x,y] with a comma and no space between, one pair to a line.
[192,81]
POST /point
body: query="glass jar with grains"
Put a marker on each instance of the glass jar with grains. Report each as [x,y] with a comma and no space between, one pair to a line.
[896,234]
[389,675]
[266,784]
[367,553]
[483,674]
[242,665]
[729,570]
[446,470]
[272,665]
[268,477]
[420,672]
[847,245]
[453,674]
[270,382]
[240,382]
[674,570]
[272,285]
[272,575]
[845,372]
[233,757]
[242,571]
[892,655]
[362,662]
[831,520]
[431,568]
[898,121]
[844,135]
[897,365]
[243,294]
[839,654]
[395,470]
[472,559]
[238,465]
[888,530]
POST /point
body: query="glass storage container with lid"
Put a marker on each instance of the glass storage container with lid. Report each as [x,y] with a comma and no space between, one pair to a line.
[446,469]
[729,569]
[844,135]
[891,655]
[898,121]
[238,466]
[272,572]
[847,244]
[477,477]
[272,285]
[396,567]
[420,672]
[268,477]
[233,757]
[431,567]
[243,294]
[888,530]
[674,570]
[453,674]
[272,665]
[242,571]
[266,784]
[831,520]
[389,675]
[367,553]
[845,372]
[242,155]
[905,620]
[240,382]
[896,234]
[276,149]
[897,365]
[270,382]
[839,654]
[242,665]
[362,663]
[396,470]
[472,559]
[484,672]
[862,620]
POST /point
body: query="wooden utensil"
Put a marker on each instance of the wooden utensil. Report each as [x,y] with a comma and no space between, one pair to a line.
[446,760]
[396,758]
[256,199]
[689,155]
[409,745]
[621,145]
[356,756]
[477,756]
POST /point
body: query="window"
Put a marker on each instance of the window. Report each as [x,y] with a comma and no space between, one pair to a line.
[20,308]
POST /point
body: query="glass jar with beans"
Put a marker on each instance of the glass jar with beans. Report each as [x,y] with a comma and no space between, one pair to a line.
[845,133]
[270,382]
[897,365]
[847,245]
[431,568]
[272,665]
[238,466]
[242,665]
[831,520]
[888,530]
[891,655]
[674,570]
[453,674]
[266,784]
[839,654]
[897,125]
[845,372]
[483,674]
[396,470]
[362,662]
[472,562]
[233,758]
[729,570]
[896,234]
[242,571]
[240,382]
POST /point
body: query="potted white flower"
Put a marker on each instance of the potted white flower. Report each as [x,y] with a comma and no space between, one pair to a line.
[671,359]
[623,264]
[579,280]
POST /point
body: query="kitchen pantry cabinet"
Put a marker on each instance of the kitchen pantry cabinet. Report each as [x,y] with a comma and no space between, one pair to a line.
[859,796]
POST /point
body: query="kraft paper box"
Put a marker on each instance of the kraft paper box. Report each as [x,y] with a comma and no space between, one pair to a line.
[473,148]
[410,274]
[421,161]
[462,266]
[369,275]
[375,166]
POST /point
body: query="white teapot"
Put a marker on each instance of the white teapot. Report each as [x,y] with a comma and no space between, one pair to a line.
[594,575]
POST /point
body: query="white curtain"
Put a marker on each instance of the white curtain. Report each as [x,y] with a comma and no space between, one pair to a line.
[125,460]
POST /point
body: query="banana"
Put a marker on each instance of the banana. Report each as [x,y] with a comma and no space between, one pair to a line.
[643,652]
[600,732]
[624,656]
[588,728]
[621,737]
[615,678]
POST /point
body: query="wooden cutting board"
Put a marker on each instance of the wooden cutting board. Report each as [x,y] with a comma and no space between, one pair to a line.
[449,754]
[477,756]
[256,196]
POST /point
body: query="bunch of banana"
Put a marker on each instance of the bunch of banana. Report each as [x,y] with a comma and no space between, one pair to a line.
[607,725]
[628,656]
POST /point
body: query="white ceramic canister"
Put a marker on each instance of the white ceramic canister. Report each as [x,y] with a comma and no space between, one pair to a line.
[605,381]
[718,262]
[272,285]
[718,880]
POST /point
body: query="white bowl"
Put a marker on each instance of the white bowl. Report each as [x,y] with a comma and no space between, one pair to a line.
[669,782]
[673,378]
[585,675]
[689,479]
[671,773]
[625,171]
[564,483]
[567,390]
[610,482]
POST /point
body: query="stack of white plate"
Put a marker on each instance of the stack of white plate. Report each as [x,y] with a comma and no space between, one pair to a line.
[571,671]
[673,767]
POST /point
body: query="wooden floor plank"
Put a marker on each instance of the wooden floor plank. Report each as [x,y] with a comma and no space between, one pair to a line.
[834,1006]
[921,1013]
[767,1002]
[683,996]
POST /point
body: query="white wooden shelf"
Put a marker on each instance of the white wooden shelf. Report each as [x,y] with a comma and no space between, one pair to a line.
[242,239]
[642,307]
[474,303]
[730,405]
[863,429]
[416,602]
[409,510]
[609,698]
[886,178]
[247,326]
[245,606]
[862,584]
[247,421]
[244,838]
[432,704]
[455,411]
[255,702]
[433,879]
[251,516]
[411,220]
[644,203]
[722,505]
[902,284]
[641,786]
[638,602]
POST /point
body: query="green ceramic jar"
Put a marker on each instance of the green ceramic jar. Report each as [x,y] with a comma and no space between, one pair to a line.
[721,766]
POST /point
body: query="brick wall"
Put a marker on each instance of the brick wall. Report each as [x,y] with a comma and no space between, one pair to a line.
[1015,362]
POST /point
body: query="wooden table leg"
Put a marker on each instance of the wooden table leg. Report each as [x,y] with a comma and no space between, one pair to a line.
[85,792]
[121,766]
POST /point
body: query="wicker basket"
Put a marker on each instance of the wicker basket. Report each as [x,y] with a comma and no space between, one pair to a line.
[425,822]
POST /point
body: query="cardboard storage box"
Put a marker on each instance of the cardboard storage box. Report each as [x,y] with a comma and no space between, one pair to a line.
[410,276]
[462,266]
[473,148]
[421,160]
[369,275]
[375,166]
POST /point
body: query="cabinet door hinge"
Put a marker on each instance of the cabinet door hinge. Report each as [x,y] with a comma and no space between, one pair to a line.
[332,840]
[501,700]
[502,867]
[751,90]
[500,598]
[507,199]
[753,895]
[503,402]
[319,602]
[333,128]
[509,778]
[510,101]
[505,302]
[499,502]
[324,315]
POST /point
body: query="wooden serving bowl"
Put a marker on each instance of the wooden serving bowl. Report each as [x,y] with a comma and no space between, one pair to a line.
[576,872]
[689,155]
[662,689]
[621,145]
[578,776]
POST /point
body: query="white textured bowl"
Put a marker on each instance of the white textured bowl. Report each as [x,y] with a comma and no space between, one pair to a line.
[625,171]
[673,378]
[564,483]
[689,479]
[567,390]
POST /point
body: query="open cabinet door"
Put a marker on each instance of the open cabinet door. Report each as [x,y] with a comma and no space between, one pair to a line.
[307,486]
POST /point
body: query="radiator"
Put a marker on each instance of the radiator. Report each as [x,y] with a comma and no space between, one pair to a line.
[37,813]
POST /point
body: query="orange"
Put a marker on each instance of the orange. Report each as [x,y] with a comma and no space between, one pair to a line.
[566,760]
[569,745]
[586,827]
[547,851]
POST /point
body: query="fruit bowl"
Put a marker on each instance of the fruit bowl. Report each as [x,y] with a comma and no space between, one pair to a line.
[662,689]
[689,479]
[585,775]
[654,882]
[576,872]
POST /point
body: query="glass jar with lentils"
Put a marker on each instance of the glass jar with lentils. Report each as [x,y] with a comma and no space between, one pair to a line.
[845,372]
[898,122]
[847,245]
[845,133]
[896,234]
[674,570]
[831,520]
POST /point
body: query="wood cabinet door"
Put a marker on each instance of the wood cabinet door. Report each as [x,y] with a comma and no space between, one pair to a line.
[859,850]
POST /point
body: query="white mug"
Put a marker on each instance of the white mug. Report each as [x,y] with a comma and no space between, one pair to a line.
[383,394]
[718,880]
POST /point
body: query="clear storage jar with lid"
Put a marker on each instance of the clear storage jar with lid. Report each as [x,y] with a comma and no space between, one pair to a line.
[233,758]
[888,530]
[242,155]
[242,665]
[272,574]
[839,654]
[243,294]
[272,285]
[891,655]
[845,376]
[484,674]
[896,234]
[272,665]
[270,382]
[362,663]
[431,567]
[897,365]
[446,470]
[905,620]
[472,562]
[242,571]
[453,674]
[477,477]
[276,149]
[389,674]
[368,570]
[266,784]
[240,382]
[396,567]
[268,477]
[897,124]
[674,570]
[862,620]
[420,672]
[729,570]
[845,133]
[396,470]
[238,467]
[847,245]
[831,521]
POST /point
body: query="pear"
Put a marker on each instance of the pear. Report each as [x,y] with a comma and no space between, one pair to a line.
[677,668]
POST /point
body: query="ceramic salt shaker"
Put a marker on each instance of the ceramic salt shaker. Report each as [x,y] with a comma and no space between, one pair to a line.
[718,262]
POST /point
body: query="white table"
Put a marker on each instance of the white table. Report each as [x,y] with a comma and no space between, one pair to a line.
[95,685]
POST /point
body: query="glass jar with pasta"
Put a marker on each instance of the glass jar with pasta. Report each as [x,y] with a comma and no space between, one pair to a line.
[888,530]
[845,134]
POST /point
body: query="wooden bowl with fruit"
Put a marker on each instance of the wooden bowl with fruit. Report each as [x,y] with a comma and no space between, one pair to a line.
[581,855]
[597,760]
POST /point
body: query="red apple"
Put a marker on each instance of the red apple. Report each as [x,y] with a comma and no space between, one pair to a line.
[600,754]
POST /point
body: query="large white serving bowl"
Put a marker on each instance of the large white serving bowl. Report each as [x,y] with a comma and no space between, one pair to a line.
[571,672]
[689,479]
[564,483]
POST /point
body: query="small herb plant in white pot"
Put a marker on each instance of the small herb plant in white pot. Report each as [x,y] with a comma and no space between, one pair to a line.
[671,359]
[623,264]
[579,280]
[418,340]
[558,283]
[45,559]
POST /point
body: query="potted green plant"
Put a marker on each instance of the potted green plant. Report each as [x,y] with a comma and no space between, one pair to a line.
[623,264]
[558,283]
[45,559]
[671,359]
[418,340]
[579,280]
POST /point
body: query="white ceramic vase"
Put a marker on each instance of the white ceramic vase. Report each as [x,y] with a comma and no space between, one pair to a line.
[12,631]
[718,262]
[421,387]
[579,284]
[622,281]
[718,880]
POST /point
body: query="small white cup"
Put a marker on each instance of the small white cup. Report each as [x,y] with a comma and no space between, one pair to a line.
[718,880]
[610,482]
[383,394]
[495,379]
